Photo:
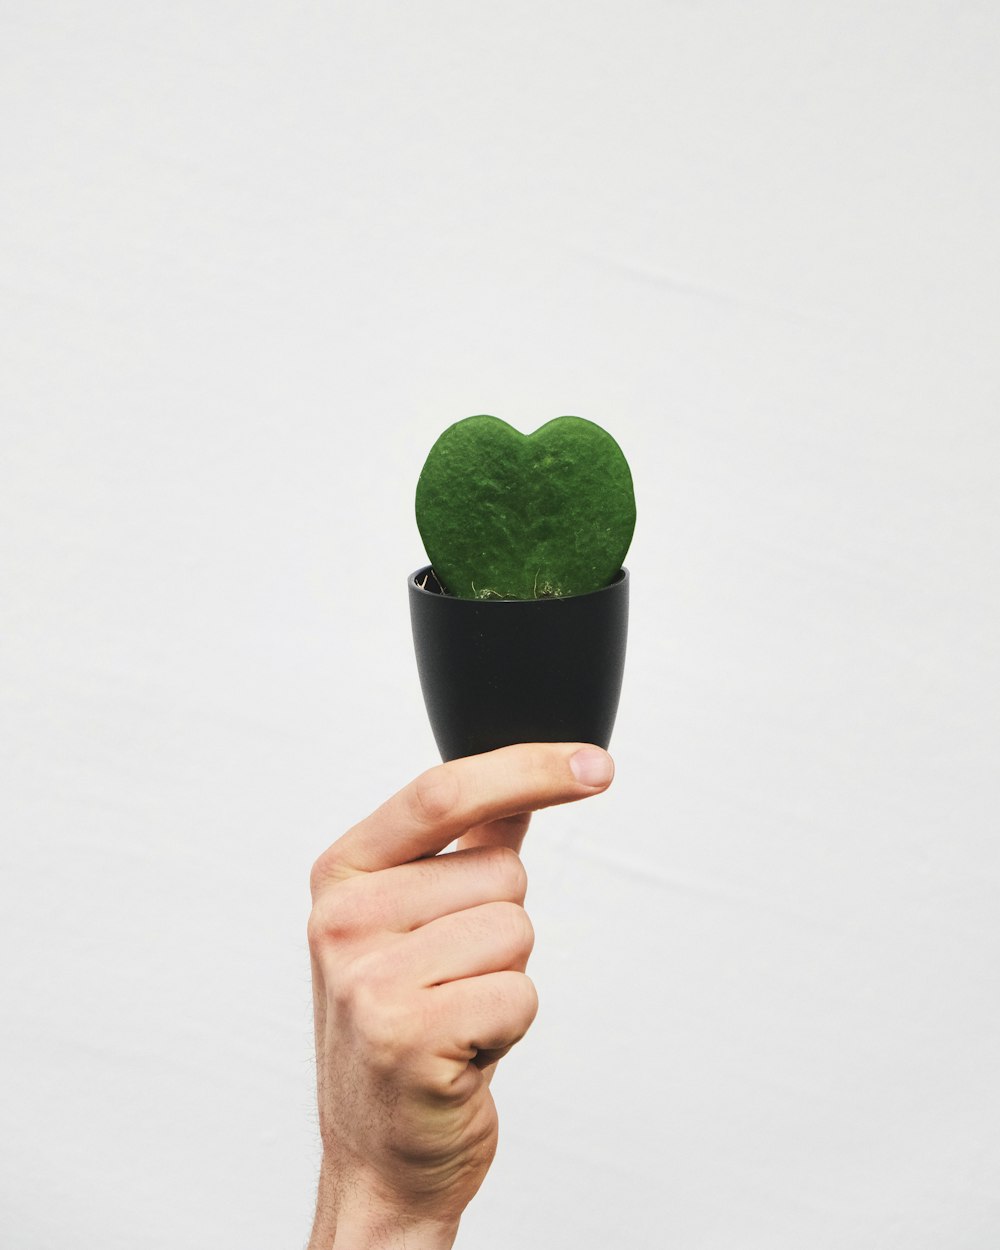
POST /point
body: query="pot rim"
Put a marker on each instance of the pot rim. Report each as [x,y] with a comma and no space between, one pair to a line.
[620,578]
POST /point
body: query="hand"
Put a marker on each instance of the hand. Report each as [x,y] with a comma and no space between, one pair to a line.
[419,989]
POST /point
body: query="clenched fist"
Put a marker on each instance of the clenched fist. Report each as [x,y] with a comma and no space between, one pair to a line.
[419,989]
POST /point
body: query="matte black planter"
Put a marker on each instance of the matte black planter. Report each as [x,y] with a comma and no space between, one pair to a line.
[499,671]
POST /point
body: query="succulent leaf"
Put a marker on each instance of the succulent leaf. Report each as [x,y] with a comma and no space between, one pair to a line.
[513,516]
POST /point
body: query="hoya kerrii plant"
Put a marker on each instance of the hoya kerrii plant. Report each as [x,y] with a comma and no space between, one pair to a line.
[506,515]
[520,621]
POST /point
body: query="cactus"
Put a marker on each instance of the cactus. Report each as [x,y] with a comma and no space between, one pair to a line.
[504,515]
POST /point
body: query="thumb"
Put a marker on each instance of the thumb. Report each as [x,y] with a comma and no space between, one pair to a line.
[595,768]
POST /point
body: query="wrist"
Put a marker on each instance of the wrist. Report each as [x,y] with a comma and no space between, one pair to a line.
[353,1214]
[367,1230]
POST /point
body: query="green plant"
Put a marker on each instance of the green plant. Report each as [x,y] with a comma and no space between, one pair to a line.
[504,515]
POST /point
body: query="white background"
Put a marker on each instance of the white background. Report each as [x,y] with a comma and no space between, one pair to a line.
[255,258]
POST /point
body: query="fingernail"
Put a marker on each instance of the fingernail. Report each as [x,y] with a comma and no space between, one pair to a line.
[592,767]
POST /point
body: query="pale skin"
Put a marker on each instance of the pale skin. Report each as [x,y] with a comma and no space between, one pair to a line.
[420,989]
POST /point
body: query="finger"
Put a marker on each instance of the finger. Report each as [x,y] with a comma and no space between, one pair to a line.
[507,831]
[492,937]
[447,801]
[408,896]
[481,1018]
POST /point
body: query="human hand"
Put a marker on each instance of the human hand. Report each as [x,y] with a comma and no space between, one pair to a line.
[419,989]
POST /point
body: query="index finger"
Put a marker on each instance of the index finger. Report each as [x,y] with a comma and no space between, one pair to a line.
[442,803]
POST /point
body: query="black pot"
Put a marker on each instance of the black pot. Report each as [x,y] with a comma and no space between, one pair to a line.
[499,671]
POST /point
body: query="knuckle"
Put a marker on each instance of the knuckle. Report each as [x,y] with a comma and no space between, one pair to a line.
[529,999]
[528,933]
[314,931]
[337,915]
[328,869]
[515,1007]
[518,931]
[510,870]
[435,795]
[321,927]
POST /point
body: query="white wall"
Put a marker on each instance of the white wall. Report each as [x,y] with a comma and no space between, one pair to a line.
[256,256]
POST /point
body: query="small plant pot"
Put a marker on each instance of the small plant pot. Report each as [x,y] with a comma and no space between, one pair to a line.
[499,671]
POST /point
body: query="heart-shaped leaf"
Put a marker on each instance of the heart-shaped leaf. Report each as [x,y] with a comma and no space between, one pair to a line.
[504,515]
